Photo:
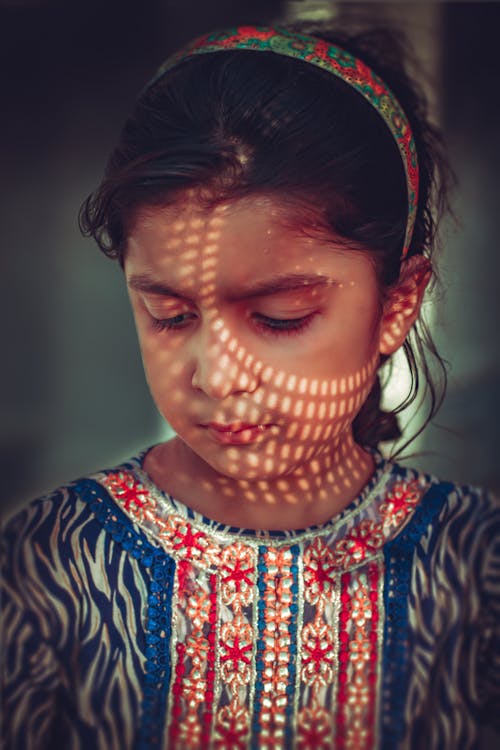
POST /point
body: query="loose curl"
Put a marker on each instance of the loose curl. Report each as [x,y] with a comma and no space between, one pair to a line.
[268,124]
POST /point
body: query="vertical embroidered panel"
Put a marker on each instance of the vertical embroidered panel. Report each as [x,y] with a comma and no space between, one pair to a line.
[193,683]
[318,648]
[360,633]
[276,647]
[236,646]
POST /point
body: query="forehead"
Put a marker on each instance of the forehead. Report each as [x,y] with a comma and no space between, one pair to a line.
[232,242]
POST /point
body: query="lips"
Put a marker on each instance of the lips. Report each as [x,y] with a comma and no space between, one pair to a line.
[234,427]
[236,433]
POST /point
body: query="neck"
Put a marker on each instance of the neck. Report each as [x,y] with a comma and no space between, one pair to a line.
[311,494]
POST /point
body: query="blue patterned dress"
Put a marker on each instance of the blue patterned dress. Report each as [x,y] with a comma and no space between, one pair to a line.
[131,621]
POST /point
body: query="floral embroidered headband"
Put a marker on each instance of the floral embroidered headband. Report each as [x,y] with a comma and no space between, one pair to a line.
[333,59]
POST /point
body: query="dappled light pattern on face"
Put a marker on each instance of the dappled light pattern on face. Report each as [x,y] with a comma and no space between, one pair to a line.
[258,346]
[404,304]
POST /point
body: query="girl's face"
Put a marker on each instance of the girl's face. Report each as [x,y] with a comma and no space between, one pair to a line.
[260,343]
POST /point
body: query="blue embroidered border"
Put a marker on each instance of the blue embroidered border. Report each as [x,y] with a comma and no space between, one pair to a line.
[398,566]
[158,618]
[259,660]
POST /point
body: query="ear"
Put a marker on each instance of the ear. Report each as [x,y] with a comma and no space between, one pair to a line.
[403,303]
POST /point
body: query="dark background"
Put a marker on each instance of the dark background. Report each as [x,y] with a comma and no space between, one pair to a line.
[73,397]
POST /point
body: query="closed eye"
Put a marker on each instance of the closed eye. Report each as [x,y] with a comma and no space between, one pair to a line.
[264,323]
[175,322]
[286,326]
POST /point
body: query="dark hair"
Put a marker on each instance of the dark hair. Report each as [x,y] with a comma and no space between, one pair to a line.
[243,123]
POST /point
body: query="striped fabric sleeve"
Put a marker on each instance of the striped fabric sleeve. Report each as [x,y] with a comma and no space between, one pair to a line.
[30,673]
[489,649]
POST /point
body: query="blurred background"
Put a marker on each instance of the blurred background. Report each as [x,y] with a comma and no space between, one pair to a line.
[73,396]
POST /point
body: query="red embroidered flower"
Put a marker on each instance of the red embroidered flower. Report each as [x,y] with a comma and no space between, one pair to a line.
[231,728]
[185,538]
[127,490]
[399,503]
[237,575]
[178,536]
[317,650]
[236,645]
[314,729]
[319,572]
[189,731]
[359,542]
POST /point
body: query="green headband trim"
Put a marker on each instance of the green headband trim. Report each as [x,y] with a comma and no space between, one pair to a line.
[335,60]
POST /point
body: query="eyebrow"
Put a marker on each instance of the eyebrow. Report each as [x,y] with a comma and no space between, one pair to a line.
[274,285]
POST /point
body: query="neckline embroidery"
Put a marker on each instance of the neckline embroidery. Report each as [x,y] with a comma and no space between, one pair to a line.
[351,538]
[382,468]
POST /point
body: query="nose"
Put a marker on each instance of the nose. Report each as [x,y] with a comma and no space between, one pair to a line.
[221,366]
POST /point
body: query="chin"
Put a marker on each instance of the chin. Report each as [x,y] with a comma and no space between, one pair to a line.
[248,469]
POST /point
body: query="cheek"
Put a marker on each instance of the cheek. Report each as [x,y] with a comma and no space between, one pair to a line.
[310,404]
[164,364]
[170,387]
[362,335]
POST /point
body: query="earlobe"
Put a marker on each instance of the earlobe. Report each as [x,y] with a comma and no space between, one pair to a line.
[403,303]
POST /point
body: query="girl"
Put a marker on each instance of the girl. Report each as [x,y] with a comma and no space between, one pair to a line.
[264,579]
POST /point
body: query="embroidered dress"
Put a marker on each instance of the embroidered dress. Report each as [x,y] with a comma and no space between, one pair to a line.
[133,622]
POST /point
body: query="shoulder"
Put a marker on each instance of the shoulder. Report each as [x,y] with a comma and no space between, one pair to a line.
[74,524]
[466,514]
[54,519]
[71,555]
[45,529]
[446,506]
[68,507]
[454,535]
[453,524]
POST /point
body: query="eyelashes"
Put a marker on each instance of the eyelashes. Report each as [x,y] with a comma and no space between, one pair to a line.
[280,326]
[265,324]
[174,323]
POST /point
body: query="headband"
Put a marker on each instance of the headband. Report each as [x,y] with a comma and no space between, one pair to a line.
[333,59]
